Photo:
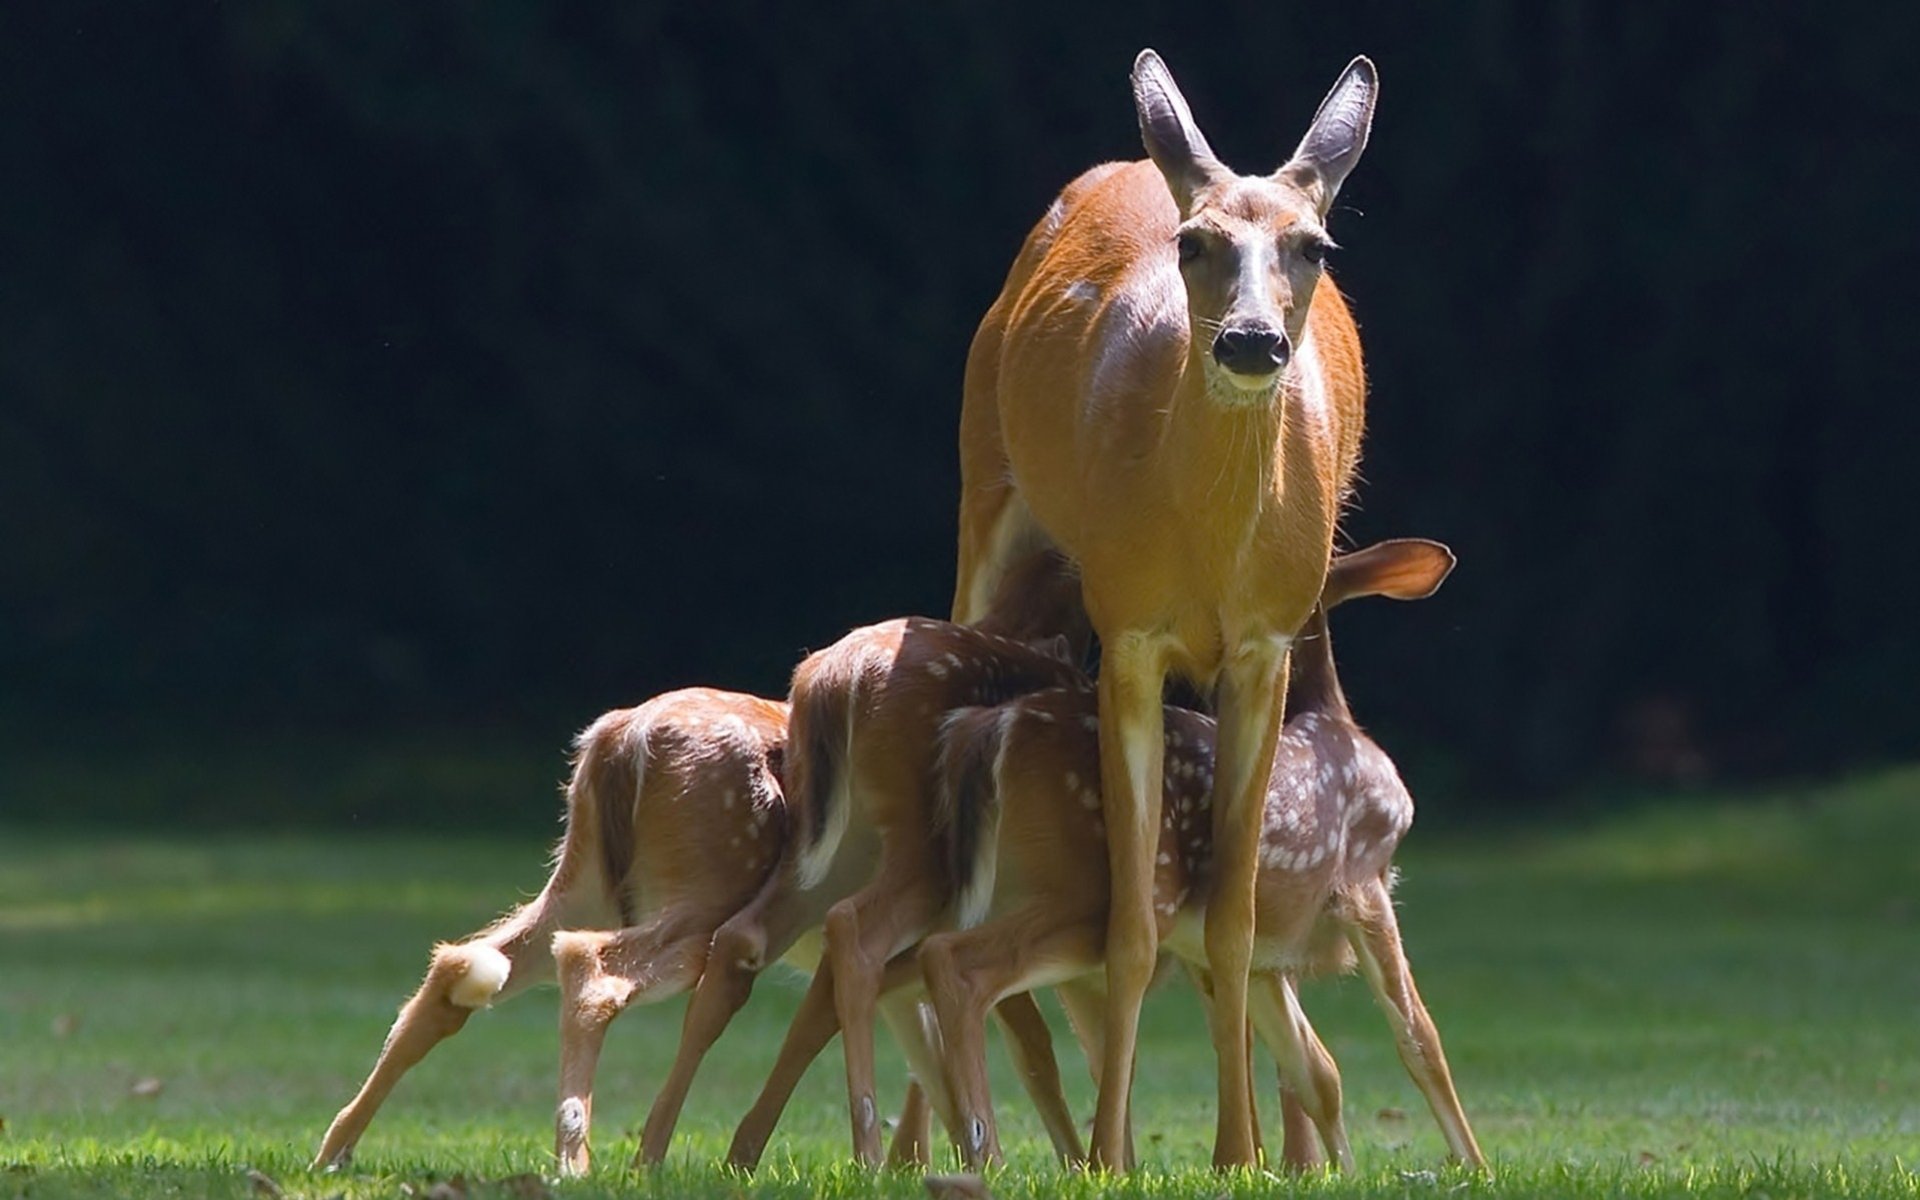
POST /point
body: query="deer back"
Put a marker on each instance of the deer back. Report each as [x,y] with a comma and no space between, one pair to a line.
[866,721]
[680,798]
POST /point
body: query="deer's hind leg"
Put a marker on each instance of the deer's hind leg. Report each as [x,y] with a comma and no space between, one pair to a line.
[1376,938]
[743,946]
[966,974]
[864,933]
[601,975]
[489,966]
[1310,1081]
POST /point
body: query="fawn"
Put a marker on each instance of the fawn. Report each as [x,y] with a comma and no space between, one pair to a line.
[1021,803]
[675,816]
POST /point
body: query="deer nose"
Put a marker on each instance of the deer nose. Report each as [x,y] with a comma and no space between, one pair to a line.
[1251,350]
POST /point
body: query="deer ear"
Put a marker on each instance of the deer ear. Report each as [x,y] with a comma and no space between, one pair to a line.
[1173,141]
[1337,136]
[1402,569]
[1056,647]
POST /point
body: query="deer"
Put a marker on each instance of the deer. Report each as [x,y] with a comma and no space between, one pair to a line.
[862,865]
[859,867]
[1169,391]
[675,816]
[1019,799]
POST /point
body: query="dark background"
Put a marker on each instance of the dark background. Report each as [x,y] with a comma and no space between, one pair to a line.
[458,371]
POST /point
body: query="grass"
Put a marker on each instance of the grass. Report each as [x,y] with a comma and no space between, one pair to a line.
[1698,998]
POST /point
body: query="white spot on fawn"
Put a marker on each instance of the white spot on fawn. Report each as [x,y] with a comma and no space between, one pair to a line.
[936,670]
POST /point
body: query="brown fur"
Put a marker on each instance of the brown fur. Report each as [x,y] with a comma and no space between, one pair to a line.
[1335,810]
[1200,512]
[861,759]
[675,818]
[1039,598]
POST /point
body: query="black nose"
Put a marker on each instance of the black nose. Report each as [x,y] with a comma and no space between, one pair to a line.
[1251,350]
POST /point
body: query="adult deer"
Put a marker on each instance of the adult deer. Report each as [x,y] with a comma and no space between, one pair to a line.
[1024,820]
[1170,390]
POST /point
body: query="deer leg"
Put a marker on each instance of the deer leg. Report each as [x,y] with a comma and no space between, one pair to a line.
[1300,1147]
[863,933]
[912,1144]
[743,945]
[1308,1077]
[1131,752]
[1383,960]
[1203,987]
[917,1032]
[966,974]
[600,975]
[812,1027]
[1085,999]
[488,967]
[1030,1043]
[1251,687]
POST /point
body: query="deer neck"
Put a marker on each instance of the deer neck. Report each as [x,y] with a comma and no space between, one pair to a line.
[1313,686]
[1223,457]
[1233,463]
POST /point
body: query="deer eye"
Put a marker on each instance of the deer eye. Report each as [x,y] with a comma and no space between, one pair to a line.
[1191,245]
[1314,251]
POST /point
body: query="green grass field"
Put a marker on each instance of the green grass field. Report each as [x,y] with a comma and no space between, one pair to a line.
[1699,997]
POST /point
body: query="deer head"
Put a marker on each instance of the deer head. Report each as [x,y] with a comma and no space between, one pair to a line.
[1251,248]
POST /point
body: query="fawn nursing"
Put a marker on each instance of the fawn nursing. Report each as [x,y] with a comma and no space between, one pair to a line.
[1020,791]
[1161,423]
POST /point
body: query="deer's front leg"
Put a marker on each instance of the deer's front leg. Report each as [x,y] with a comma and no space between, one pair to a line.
[1250,699]
[1131,722]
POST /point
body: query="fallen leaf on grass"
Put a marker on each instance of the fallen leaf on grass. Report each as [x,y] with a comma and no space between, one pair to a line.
[1647,1158]
[147,1087]
[263,1185]
[957,1187]
[1391,1114]
[65,1024]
